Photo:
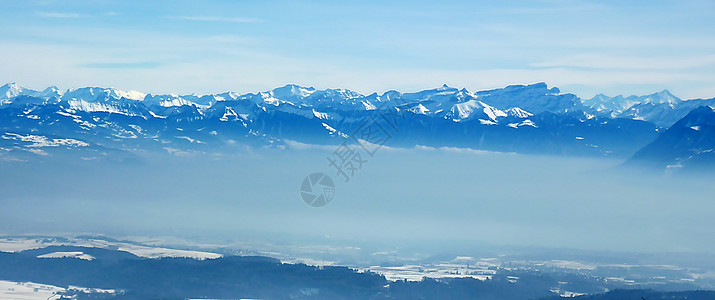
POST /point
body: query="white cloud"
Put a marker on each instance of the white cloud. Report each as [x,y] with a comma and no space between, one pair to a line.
[601,61]
[222,61]
[59,15]
[251,70]
[214,19]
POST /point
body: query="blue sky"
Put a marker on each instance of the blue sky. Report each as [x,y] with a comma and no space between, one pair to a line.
[584,47]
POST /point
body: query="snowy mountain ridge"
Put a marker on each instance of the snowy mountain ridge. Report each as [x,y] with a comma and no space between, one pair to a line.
[446,102]
[531,118]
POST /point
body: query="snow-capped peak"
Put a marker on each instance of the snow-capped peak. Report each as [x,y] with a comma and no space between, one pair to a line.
[13,89]
[468,109]
[291,91]
[444,87]
[52,91]
[133,95]
[92,93]
[661,97]
[169,100]
[518,112]
[418,109]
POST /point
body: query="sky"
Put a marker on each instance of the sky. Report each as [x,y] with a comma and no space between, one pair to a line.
[582,47]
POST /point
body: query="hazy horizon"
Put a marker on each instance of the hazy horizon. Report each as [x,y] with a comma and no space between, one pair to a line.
[456,197]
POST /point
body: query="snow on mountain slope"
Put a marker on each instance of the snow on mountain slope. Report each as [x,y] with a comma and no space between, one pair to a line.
[518,112]
[611,107]
[662,97]
[474,109]
[664,114]
[132,121]
[661,108]
[330,96]
[50,93]
[454,104]
[443,94]
[535,98]
[86,106]
[442,98]
[689,143]
[170,100]
[92,94]
[289,93]
[206,100]
[308,97]
[13,89]
[418,109]
[38,141]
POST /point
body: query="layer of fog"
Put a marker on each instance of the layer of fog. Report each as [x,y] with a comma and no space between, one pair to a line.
[443,199]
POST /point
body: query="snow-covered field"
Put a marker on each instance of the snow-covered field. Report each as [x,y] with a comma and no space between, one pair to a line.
[73,254]
[10,290]
[28,291]
[17,244]
[461,267]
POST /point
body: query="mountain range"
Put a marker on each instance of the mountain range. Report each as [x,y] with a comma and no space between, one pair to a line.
[106,123]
